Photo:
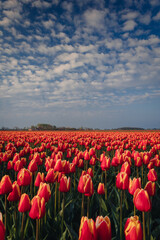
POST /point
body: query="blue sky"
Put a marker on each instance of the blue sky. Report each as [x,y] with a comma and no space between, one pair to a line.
[90,63]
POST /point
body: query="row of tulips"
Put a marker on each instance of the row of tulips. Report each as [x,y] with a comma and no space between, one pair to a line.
[96,164]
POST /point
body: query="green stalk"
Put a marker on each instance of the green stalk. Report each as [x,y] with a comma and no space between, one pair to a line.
[144,232]
[105,184]
[55,200]
[5,220]
[88,202]
[82,206]
[142,174]
[63,212]
[121,214]
[74,181]
[137,173]
[134,210]
[37,229]
[21,233]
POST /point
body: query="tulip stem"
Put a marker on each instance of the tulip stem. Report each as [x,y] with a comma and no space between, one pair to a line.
[142,174]
[37,229]
[82,207]
[63,212]
[144,233]
[88,202]
[5,221]
[121,215]
[105,184]
[22,225]
[74,181]
[134,210]
[137,173]
[55,200]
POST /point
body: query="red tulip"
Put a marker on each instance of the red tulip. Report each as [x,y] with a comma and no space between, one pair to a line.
[15,194]
[24,203]
[152,175]
[2,228]
[126,168]
[100,189]
[141,200]
[133,229]
[87,229]
[24,177]
[90,172]
[37,208]
[39,179]
[64,184]
[5,185]
[44,191]
[122,180]
[103,227]
[105,164]
[32,167]
[150,188]
[134,184]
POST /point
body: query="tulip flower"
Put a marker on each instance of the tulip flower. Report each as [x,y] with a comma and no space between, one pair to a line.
[122,180]
[2,228]
[24,177]
[24,206]
[24,203]
[5,188]
[15,194]
[142,202]
[103,227]
[100,189]
[87,229]
[150,187]
[134,184]
[39,179]
[126,168]
[44,191]
[152,175]
[133,229]
[64,184]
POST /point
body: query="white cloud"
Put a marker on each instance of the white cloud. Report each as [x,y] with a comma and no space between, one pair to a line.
[129,25]
[157,16]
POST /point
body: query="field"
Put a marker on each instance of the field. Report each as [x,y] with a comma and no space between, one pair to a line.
[57,184]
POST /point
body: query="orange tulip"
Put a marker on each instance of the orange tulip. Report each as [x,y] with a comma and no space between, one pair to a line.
[103,227]
[133,229]
[87,229]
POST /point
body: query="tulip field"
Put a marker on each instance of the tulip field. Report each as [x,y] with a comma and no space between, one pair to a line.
[80,185]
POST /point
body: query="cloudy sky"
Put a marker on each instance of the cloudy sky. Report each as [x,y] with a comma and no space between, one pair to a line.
[90,63]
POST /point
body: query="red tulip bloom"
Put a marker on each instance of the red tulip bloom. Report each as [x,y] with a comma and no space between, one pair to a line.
[39,179]
[150,188]
[152,175]
[126,168]
[134,184]
[100,189]
[90,172]
[36,208]
[24,203]
[87,229]
[72,167]
[10,165]
[2,228]
[24,177]
[92,162]
[105,164]
[141,200]
[5,185]
[51,176]
[122,180]
[32,167]
[103,227]
[64,184]
[15,194]
[133,229]
[44,191]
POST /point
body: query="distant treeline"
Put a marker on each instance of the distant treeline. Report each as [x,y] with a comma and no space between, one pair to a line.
[49,127]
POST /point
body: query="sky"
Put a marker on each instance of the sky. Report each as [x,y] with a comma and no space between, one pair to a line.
[80,63]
